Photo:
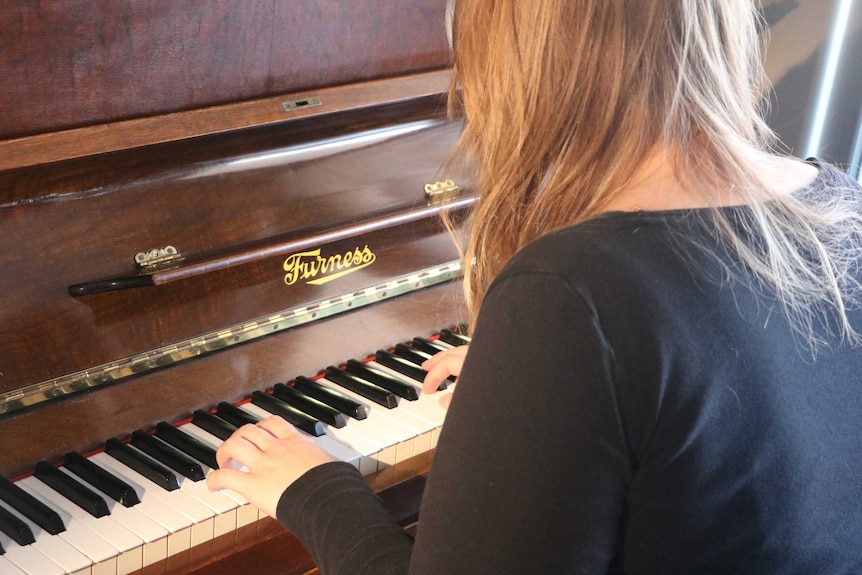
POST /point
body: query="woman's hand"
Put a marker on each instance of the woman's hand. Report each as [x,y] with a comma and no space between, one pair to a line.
[442,365]
[273,452]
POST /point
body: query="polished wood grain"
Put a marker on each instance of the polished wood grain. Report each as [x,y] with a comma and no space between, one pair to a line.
[54,146]
[85,62]
[227,194]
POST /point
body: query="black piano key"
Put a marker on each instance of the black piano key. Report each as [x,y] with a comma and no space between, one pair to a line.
[77,493]
[399,364]
[364,388]
[453,338]
[234,415]
[411,354]
[330,397]
[191,446]
[213,424]
[167,455]
[101,479]
[12,526]
[383,379]
[428,346]
[30,507]
[309,405]
[293,416]
[149,468]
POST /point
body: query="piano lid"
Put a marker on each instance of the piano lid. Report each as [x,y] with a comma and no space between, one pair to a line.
[134,259]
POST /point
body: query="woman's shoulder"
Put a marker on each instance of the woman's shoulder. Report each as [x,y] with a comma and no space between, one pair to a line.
[610,239]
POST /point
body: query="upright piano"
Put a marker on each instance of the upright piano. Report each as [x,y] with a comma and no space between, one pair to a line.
[211,211]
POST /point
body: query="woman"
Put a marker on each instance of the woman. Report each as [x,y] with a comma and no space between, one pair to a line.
[663,373]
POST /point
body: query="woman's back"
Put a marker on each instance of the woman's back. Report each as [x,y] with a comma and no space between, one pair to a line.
[686,427]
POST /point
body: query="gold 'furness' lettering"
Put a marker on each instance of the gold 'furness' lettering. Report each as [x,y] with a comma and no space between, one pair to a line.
[314,269]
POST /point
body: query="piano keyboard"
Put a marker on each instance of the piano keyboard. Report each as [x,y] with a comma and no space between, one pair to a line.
[133,504]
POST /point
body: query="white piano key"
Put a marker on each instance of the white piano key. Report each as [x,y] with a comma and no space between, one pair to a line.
[213,442]
[427,406]
[330,445]
[246,513]
[55,548]
[367,450]
[218,502]
[28,559]
[224,508]
[154,535]
[404,416]
[175,509]
[188,520]
[123,548]
[218,512]
[129,547]
[375,441]
[420,427]
[404,438]
[226,514]
[387,437]
[9,568]
[106,527]
[383,444]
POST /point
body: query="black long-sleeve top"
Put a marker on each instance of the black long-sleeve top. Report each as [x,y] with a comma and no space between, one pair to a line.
[625,407]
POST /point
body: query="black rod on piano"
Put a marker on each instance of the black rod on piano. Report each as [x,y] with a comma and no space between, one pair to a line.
[330,397]
[411,354]
[295,417]
[399,364]
[12,526]
[234,415]
[201,265]
[428,346]
[104,481]
[453,338]
[30,507]
[417,356]
[163,452]
[149,468]
[191,446]
[77,493]
[384,380]
[366,389]
[213,424]
[309,405]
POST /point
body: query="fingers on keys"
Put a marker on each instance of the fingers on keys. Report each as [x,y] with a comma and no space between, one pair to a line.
[441,365]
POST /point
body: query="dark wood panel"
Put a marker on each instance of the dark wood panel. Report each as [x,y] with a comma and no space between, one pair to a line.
[84,220]
[73,63]
[45,148]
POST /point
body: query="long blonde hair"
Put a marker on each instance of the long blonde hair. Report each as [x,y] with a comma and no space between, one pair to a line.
[565,99]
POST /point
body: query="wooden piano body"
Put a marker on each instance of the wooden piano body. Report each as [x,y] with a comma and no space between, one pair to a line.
[286,158]
[246,136]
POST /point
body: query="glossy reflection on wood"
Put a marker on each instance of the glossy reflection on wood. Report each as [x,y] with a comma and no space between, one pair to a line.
[83,62]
